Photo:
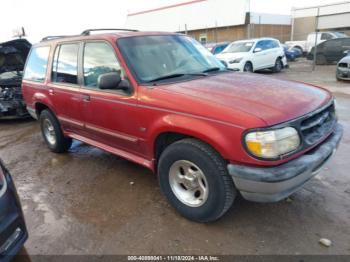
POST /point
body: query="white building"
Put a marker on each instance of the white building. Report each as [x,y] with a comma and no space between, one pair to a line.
[331,17]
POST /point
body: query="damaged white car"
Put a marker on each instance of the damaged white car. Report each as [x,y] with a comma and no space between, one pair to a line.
[13,55]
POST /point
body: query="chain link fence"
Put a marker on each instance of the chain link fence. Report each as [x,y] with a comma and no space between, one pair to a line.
[306,47]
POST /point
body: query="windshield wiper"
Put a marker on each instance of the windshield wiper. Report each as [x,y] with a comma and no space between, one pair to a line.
[175,76]
[212,69]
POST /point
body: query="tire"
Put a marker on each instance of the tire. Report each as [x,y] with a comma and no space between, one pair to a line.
[215,186]
[278,66]
[248,67]
[52,133]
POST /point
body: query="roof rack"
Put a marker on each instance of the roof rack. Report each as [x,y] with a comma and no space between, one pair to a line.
[88,31]
[52,37]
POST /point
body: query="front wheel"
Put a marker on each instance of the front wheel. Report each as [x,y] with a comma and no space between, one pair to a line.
[195,180]
[52,133]
[248,67]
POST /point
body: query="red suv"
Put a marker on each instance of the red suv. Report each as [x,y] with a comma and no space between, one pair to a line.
[165,102]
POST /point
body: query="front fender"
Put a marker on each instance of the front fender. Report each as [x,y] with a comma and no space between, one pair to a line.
[221,136]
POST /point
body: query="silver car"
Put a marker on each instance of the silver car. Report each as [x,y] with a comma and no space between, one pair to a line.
[343,69]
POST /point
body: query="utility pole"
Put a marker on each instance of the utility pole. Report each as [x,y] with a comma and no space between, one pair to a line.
[316,37]
[293,21]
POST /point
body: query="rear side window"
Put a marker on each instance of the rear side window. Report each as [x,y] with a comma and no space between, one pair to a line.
[37,64]
[65,64]
[99,58]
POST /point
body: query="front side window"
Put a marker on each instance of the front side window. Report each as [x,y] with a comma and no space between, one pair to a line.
[274,44]
[167,56]
[99,58]
[263,45]
[65,65]
[37,64]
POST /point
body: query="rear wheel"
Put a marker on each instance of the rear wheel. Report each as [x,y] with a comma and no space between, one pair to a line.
[248,67]
[52,133]
[278,66]
[195,180]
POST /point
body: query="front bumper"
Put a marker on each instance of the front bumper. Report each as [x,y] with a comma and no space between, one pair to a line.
[343,73]
[13,231]
[13,109]
[238,67]
[272,184]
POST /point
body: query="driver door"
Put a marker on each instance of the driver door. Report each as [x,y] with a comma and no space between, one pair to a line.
[111,116]
[260,58]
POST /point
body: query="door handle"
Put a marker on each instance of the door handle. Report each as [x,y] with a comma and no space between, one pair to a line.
[51,92]
[86,98]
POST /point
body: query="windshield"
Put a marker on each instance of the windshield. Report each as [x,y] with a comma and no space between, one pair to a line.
[11,66]
[10,75]
[163,57]
[239,47]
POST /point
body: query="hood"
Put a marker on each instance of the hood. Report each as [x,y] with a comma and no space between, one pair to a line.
[230,56]
[273,101]
[13,55]
[345,60]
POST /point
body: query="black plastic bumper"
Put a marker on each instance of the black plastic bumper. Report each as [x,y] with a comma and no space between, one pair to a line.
[272,184]
[13,231]
[343,73]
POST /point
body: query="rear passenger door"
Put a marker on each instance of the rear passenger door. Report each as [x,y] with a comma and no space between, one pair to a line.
[111,116]
[64,88]
[333,50]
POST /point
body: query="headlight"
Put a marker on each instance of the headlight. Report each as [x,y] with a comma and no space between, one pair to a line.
[272,144]
[235,61]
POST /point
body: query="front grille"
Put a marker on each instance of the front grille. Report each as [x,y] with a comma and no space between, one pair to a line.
[343,65]
[317,126]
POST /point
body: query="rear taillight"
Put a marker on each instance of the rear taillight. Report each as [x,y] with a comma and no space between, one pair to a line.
[3,184]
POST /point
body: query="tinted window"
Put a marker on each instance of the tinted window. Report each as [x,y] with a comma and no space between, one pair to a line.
[346,42]
[333,43]
[264,45]
[274,44]
[326,36]
[37,64]
[65,65]
[99,58]
[220,49]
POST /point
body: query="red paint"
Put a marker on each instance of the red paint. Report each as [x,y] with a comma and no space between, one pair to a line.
[216,109]
[166,7]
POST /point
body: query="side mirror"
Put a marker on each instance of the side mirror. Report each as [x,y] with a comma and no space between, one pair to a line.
[257,50]
[346,52]
[109,81]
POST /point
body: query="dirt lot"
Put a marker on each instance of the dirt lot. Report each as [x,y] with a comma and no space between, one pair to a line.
[84,202]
